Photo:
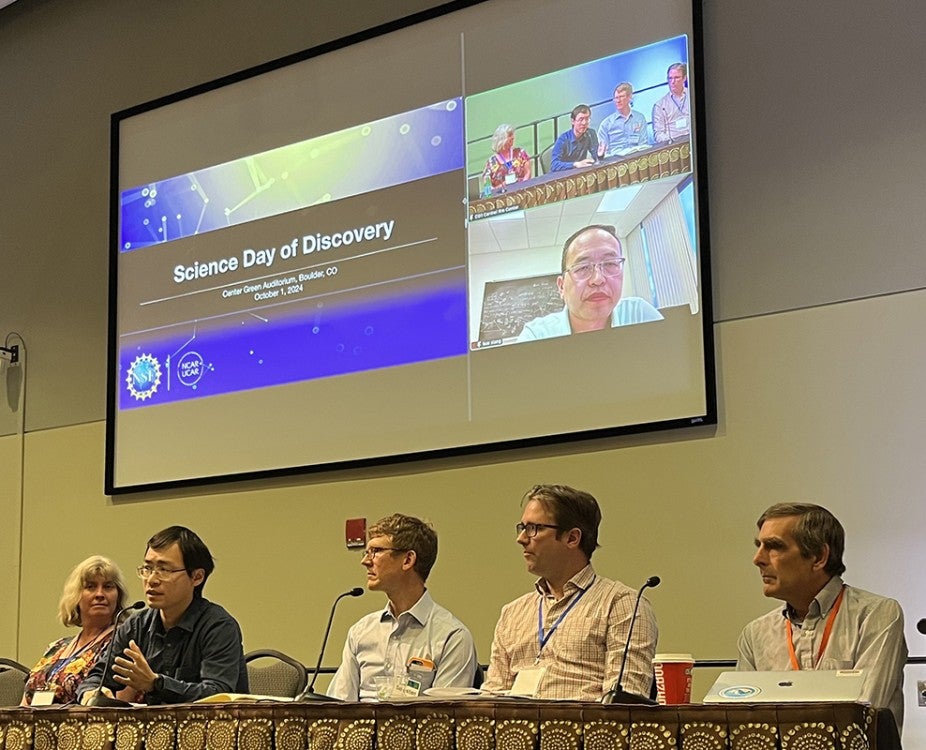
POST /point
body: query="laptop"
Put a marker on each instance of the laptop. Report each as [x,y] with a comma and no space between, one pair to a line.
[799,686]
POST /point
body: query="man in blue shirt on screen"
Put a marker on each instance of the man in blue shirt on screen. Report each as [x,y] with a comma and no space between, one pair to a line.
[591,284]
[624,128]
[578,146]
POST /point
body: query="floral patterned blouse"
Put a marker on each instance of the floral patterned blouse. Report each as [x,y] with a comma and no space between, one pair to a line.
[64,675]
[497,168]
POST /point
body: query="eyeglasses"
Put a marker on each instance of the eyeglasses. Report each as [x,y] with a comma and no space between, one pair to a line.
[372,552]
[531,529]
[158,571]
[609,268]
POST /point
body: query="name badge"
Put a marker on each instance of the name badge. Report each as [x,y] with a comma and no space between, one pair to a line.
[43,697]
[407,688]
[527,681]
[681,122]
[511,178]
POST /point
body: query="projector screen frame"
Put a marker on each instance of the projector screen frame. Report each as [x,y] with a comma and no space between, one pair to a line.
[115,375]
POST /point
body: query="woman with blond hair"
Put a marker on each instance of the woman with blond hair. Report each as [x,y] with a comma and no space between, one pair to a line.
[93,593]
[509,163]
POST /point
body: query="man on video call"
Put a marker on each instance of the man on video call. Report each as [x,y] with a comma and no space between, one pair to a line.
[400,554]
[624,128]
[591,283]
[565,640]
[824,624]
[578,146]
[672,113]
[183,647]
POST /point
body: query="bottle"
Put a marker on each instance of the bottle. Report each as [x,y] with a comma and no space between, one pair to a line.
[486,185]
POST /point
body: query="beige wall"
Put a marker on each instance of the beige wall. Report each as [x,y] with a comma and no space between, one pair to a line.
[683,509]
[819,275]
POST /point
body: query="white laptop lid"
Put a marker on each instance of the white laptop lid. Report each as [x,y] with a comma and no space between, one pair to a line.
[801,686]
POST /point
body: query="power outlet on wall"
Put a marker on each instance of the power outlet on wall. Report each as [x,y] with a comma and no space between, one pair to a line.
[921,693]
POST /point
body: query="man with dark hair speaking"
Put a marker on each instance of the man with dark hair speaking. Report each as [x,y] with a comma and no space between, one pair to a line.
[578,146]
[184,647]
[566,639]
[591,283]
[824,624]
[412,635]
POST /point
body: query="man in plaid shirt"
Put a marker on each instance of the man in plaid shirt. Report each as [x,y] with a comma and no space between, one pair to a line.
[565,640]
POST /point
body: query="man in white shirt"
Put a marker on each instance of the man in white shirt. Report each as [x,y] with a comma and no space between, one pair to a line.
[672,113]
[824,624]
[412,628]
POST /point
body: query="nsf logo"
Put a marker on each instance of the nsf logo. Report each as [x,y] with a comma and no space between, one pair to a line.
[740,692]
[144,377]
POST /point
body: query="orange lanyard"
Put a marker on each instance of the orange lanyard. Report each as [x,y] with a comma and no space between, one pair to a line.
[826,633]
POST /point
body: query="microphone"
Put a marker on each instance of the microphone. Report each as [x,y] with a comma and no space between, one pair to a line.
[617,694]
[309,693]
[921,626]
[104,700]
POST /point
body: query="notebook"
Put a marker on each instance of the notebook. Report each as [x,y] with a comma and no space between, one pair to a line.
[802,686]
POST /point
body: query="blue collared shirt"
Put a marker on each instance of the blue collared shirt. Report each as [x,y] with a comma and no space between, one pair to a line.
[568,149]
[381,644]
[617,132]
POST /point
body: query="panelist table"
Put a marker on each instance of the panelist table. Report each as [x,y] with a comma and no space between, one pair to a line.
[449,725]
[663,160]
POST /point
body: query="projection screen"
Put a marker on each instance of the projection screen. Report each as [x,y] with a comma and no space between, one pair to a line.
[360,254]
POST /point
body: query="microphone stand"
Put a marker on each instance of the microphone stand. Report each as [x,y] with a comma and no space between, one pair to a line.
[101,699]
[617,694]
[309,693]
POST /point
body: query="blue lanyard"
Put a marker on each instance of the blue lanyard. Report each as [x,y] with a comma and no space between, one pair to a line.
[58,664]
[541,638]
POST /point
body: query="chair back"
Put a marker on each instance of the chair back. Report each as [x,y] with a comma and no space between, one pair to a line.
[546,157]
[12,681]
[274,673]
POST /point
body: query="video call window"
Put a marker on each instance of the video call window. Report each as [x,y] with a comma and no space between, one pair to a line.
[634,175]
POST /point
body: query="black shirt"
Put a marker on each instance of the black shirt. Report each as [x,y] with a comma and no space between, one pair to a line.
[200,656]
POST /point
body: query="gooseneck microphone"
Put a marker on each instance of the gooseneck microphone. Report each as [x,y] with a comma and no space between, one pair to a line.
[104,700]
[309,693]
[617,694]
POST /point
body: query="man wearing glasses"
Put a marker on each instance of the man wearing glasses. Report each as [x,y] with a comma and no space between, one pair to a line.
[578,146]
[412,635]
[183,647]
[591,283]
[566,639]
